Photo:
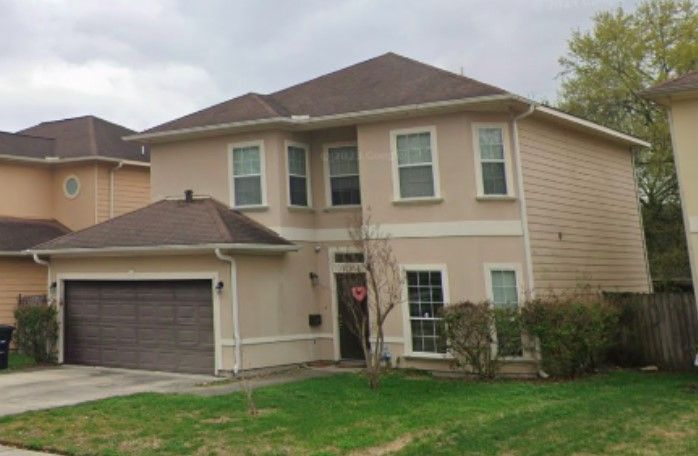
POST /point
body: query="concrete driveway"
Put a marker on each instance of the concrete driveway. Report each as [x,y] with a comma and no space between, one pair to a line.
[69,385]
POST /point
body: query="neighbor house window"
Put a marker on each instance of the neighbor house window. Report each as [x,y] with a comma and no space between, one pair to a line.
[505,297]
[416,165]
[298,180]
[425,298]
[491,157]
[248,173]
[343,169]
[71,186]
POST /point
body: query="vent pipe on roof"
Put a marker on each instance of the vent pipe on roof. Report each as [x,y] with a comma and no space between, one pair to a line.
[188,196]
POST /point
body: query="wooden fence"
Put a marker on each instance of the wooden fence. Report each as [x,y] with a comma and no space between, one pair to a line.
[659,329]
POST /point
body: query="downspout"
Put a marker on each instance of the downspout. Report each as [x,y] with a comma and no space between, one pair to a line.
[111,188]
[234,304]
[522,201]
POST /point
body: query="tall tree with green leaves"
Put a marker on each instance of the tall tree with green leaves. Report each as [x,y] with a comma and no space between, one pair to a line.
[604,73]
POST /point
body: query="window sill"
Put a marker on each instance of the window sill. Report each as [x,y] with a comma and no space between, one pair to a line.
[348,207]
[428,356]
[427,200]
[495,198]
[300,209]
[256,208]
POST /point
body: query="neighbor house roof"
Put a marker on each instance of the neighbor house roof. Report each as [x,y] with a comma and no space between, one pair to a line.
[385,81]
[17,234]
[386,86]
[87,136]
[80,138]
[172,224]
[25,145]
[685,83]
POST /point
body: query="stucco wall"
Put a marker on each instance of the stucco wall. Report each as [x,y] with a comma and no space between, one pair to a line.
[26,190]
[583,211]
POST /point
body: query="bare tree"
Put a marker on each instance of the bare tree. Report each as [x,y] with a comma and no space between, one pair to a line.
[370,304]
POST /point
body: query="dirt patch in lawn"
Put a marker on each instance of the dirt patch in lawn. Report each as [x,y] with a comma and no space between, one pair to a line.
[390,447]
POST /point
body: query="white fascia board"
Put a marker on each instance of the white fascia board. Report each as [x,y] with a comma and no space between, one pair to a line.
[309,122]
[593,126]
[165,249]
[60,161]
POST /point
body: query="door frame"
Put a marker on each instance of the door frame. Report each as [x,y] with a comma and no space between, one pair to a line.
[141,277]
[339,268]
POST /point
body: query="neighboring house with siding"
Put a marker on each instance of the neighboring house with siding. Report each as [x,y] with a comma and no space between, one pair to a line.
[486,195]
[56,177]
[680,97]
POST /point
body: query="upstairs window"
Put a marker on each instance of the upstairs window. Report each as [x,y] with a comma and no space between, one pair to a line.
[416,167]
[491,160]
[248,175]
[298,172]
[343,170]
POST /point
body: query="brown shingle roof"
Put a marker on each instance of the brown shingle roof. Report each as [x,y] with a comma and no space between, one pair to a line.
[88,136]
[168,223]
[25,145]
[20,234]
[686,82]
[385,81]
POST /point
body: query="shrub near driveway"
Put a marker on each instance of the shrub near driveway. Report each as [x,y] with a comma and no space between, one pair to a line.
[621,413]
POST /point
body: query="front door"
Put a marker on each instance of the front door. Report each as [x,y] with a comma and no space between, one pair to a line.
[349,340]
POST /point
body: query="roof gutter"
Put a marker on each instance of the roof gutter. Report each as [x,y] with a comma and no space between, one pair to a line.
[60,161]
[168,249]
[307,121]
[232,284]
[592,125]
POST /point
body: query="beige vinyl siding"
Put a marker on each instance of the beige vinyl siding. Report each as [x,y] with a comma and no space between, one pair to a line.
[19,276]
[102,194]
[131,189]
[583,214]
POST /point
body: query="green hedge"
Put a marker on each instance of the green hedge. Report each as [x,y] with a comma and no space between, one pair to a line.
[575,332]
[37,332]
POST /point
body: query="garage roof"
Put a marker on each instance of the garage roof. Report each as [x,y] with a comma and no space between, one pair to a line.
[171,224]
[17,234]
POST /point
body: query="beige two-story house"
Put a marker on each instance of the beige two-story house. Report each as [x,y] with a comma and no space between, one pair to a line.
[485,195]
[56,177]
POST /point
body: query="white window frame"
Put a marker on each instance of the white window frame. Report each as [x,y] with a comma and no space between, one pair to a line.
[397,197]
[262,170]
[328,179]
[406,326]
[308,187]
[516,269]
[508,176]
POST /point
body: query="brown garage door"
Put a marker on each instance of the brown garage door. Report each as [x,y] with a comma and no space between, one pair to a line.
[154,325]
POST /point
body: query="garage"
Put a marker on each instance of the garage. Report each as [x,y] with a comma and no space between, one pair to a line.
[164,325]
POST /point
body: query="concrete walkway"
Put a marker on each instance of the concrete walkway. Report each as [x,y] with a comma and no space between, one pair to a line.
[9,451]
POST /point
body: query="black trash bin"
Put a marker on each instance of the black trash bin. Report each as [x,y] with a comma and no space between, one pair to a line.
[5,339]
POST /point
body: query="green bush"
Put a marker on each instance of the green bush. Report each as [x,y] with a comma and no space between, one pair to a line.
[575,332]
[37,332]
[469,330]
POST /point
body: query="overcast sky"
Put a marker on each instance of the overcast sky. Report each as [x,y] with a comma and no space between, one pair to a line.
[140,63]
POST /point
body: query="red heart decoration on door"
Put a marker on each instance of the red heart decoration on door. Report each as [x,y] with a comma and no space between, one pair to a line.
[359,293]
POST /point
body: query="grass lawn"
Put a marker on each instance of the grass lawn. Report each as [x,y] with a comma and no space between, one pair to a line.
[17,362]
[618,413]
